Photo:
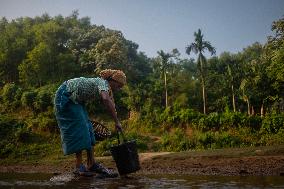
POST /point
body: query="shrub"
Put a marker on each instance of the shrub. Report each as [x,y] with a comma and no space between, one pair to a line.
[28,98]
[231,119]
[176,141]
[210,122]
[226,139]
[7,149]
[43,122]
[23,134]
[272,123]
[43,100]
[141,141]
[11,95]
[254,122]
[178,116]
[10,131]
[272,139]
[188,115]
[102,148]
[9,92]
[8,127]
[206,139]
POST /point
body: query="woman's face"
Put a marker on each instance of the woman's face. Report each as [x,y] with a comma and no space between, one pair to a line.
[115,85]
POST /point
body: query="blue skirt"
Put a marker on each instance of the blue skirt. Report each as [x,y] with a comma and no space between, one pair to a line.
[75,128]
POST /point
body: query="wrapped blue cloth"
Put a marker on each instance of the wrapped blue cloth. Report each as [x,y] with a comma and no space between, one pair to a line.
[75,128]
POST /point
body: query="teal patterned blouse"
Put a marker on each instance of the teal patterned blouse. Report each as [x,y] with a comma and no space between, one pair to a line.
[86,89]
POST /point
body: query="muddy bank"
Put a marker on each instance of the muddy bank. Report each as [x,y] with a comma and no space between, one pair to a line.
[254,165]
[222,162]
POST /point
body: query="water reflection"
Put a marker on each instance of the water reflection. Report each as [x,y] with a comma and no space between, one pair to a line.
[29,181]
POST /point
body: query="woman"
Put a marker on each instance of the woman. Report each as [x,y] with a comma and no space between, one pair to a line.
[75,128]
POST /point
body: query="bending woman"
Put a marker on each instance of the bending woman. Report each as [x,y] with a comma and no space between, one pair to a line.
[73,120]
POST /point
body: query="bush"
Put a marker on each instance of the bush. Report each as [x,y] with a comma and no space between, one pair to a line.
[23,134]
[272,139]
[102,148]
[188,115]
[178,116]
[206,139]
[141,141]
[7,149]
[254,122]
[43,100]
[28,98]
[210,122]
[11,95]
[8,127]
[176,141]
[43,122]
[231,119]
[11,132]
[227,120]
[272,123]
[226,139]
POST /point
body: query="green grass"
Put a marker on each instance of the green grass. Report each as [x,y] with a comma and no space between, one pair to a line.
[225,153]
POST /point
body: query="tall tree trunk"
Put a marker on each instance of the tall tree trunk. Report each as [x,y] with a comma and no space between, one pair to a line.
[234,103]
[252,110]
[166,90]
[203,95]
[203,85]
[262,110]
[248,107]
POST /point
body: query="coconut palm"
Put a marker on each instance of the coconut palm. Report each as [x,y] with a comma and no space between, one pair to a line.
[198,47]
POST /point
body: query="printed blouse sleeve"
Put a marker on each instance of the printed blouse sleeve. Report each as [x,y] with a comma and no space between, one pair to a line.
[102,85]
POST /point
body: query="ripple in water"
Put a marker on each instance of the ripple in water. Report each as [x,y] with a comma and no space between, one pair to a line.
[68,180]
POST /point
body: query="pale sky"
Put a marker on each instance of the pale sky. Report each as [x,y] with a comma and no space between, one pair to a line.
[230,25]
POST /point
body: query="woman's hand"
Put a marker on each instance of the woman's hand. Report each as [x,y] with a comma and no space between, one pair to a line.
[118,127]
[111,108]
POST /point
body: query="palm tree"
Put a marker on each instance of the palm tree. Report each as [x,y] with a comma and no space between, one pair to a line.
[164,66]
[198,47]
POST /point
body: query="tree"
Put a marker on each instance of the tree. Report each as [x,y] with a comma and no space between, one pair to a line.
[109,52]
[187,83]
[13,46]
[164,64]
[198,47]
[232,74]
[35,70]
[274,55]
[256,84]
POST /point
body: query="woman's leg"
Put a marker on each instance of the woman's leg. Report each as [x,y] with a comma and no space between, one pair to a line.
[81,169]
[98,168]
[78,159]
[90,157]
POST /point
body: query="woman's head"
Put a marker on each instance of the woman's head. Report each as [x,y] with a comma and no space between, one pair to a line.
[116,78]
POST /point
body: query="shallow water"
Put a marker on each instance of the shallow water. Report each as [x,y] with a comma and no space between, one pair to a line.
[29,181]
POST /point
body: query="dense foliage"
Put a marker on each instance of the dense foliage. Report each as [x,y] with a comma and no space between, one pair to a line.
[176,104]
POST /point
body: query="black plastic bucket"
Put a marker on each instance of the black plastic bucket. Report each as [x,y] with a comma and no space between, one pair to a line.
[126,157]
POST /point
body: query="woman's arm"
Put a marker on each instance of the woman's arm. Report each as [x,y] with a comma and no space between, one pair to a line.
[111,108]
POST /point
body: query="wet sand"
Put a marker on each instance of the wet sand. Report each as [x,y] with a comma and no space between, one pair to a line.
[231,162]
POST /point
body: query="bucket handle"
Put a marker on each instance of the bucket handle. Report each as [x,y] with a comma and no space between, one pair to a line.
[124,140]
[122,135]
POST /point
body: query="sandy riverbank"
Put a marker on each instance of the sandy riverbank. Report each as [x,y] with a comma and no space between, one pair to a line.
[248,161]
